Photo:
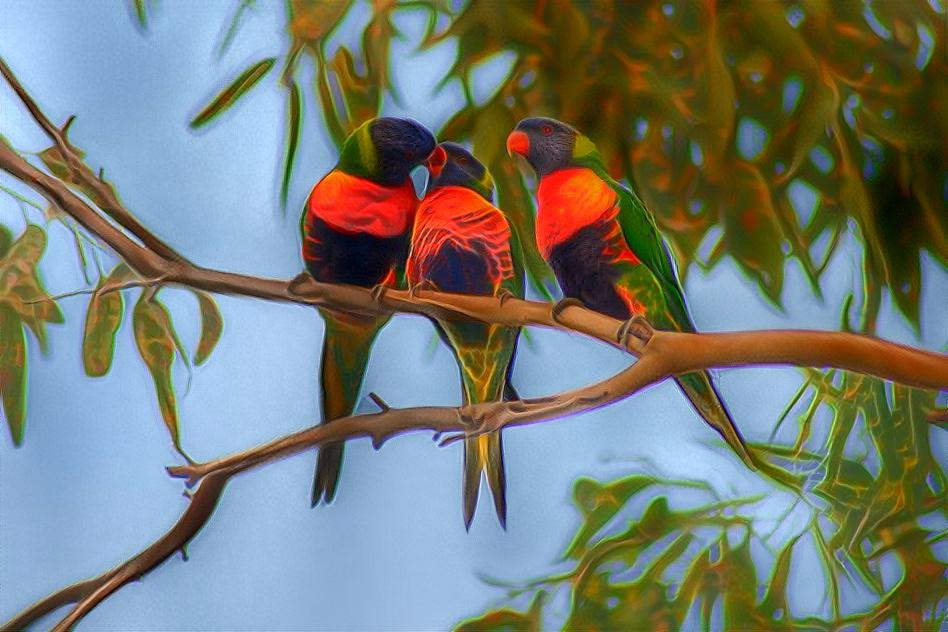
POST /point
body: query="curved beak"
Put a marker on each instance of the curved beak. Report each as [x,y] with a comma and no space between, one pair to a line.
[518,143]
[436,161]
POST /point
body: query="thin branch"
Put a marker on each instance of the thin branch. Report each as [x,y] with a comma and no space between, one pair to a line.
[106,289]
[98,190]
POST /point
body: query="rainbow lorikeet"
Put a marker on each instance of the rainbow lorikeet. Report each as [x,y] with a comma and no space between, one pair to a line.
[462,244]
[356,225]
[606,251]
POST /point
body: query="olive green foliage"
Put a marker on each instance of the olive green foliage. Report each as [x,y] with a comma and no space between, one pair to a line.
[715,112]
[665,568]
[25,304]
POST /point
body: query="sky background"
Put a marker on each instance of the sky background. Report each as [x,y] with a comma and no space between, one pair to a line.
[88,488]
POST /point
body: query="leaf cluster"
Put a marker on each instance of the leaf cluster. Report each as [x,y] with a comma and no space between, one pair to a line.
[881,502]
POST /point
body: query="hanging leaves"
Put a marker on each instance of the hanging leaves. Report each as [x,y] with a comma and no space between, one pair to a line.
[13,372]
[24,303]
[294,123]
[751,230]
[229,96]
[103,319]
[20,285]
[212,325]
[154,335]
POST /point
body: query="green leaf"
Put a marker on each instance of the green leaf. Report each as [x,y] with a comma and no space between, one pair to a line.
[751,230]
[817,111]
[57,165]
[28,248]
[599,503]
[507,620]
[776,597]
[313,20]
[103,319]
[13,371]
[141,13]
[247,80]
[212,324]
[293,120]
[21,288]
[155,339]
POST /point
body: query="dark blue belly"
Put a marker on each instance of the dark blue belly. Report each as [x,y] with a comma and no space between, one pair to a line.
[356,259]
[459,270]
[584,273]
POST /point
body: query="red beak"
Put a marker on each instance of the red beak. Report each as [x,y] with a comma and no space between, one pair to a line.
[518,143]
[436,161]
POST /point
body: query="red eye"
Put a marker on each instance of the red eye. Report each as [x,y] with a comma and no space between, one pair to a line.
[462,162]
[547,130]
[407,153]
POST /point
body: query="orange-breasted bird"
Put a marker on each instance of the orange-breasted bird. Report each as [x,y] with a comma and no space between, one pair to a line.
[461,243]
[355,229]
[606,252]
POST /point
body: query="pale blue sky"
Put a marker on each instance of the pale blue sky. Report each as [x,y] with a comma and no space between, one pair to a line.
[88,488]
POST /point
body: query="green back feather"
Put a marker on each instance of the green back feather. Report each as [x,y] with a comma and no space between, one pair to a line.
[640,233]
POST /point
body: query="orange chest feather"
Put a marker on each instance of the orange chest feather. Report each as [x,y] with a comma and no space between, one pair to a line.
[569,200]
[461,218]
[355,205]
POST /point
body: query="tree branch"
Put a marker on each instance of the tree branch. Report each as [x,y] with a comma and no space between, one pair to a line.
[98,190]
[664,354]
[802,348]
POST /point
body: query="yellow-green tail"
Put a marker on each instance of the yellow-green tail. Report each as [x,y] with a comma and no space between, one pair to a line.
[706,400]
[484,454]
[346,346]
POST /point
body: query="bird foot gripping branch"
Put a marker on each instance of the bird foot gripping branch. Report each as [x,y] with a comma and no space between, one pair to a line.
[562,304]
[636,327]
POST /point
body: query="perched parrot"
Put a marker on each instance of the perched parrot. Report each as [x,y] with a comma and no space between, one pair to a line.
[461,243]
[355,229]
[606,251]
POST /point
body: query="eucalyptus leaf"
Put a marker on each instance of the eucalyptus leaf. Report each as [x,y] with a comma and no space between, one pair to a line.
[155,340]
[212,325]
[13,372]
[237,88]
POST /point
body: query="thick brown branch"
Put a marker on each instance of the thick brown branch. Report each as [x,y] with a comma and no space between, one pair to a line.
[802,348]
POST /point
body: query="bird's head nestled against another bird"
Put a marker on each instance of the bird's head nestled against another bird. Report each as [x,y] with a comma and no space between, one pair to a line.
[453,165]
[548,144]
[386,149]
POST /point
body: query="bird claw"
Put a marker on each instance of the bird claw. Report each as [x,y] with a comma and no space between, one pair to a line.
[638,327]
[424,284]
[504,295]
[378,293]
[297,281]
[562,304]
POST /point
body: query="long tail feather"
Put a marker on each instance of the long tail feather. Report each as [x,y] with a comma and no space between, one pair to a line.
[346,348]
[484,454]
[707,401]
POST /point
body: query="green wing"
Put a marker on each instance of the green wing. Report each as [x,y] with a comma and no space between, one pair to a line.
[643,238]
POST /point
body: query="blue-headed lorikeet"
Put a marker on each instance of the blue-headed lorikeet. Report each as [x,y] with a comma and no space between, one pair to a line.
[461,243]
[356,225]
[606,251]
